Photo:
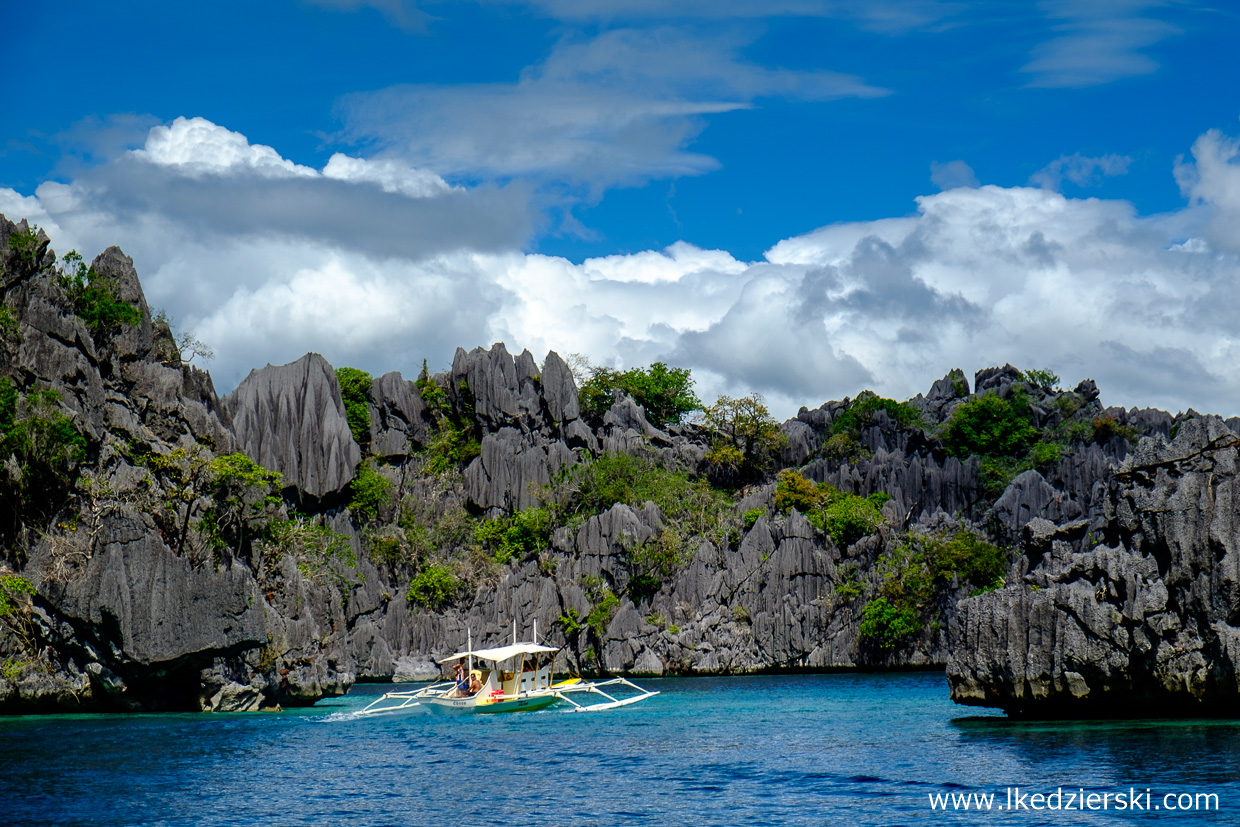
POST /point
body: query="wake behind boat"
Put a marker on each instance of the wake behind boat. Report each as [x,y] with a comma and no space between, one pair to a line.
[510,678]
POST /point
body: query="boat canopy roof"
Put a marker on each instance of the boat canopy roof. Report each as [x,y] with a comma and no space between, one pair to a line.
[502,652]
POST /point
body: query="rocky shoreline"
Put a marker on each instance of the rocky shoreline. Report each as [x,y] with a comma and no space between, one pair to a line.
[165,566]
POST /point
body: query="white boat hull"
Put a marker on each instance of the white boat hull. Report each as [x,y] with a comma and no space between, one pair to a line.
[484,705]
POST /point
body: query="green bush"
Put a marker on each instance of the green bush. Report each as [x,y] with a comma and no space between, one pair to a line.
[793,490]
[666,394]
[435,397]
[14,591]
[846,518]
[690,507]
[44,445]
[888,625]
[745,439]
[319,551]
[848,585]
[354,387]
[752,516]
[692,511]
[95,298]
[1042,378]
[369,491]
[8,322]
[844,448]
[600,616]
[524,533]
[387,549]
[918,569]
[26,245]
[849,518]
[967,556]
[244,494]
[860,412]
[570,622]
[434,587]
[990,426]
[455,441]
[653,562]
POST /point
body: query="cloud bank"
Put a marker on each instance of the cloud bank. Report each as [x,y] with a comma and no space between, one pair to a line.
[379,264]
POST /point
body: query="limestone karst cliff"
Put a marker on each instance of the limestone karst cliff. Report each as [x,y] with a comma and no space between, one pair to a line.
[169,549]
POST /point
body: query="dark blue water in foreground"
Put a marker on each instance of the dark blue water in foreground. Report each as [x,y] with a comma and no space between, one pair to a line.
[819,749]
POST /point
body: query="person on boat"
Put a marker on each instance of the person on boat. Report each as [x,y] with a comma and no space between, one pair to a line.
[461,679]
[475,683]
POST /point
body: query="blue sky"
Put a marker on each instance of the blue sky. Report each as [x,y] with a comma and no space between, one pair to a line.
[799,198]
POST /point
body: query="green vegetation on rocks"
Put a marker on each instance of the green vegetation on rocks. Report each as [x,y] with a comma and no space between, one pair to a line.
[745,440]
[666,393]
[45,447]
[456,441]
[860,413]
[95,298]
[916,571]
[369,491]
[525,533]
[434,587]
[846,518]
[354,385]
[690,507]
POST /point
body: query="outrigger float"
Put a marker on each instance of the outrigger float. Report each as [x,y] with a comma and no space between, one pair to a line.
[516,689]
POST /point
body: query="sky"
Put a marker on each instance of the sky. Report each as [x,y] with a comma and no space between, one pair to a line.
[799,198]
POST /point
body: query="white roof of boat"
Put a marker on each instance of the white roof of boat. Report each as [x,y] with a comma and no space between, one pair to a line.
[502,652]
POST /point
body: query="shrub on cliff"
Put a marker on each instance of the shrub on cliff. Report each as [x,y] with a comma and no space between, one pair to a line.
[690,507]
[225,502]
[45,447]
[990,426]
[917,572]
[15,614]
[455,441]
[243,495]
[664,392]
[888,624]
[434,587]
[354,385]
[846,518]
[1001,433]
[692,511]
[369,491]
[745,440]
[507,538]
[860,414]
[95,298]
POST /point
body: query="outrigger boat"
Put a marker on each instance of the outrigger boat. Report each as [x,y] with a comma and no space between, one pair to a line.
[525,685]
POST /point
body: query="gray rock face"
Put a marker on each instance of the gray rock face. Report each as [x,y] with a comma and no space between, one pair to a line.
[944,393]
[502,395]
[559,390]
[1142,623]
[135,342]
[119,620]
[290,418]
[399,418]
[512,471]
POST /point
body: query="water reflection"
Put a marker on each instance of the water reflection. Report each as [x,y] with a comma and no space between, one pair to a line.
[1168,753]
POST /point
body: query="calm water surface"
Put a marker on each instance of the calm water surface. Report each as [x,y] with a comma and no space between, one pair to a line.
[817,749]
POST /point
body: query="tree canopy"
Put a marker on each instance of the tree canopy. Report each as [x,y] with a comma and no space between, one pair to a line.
[666,393]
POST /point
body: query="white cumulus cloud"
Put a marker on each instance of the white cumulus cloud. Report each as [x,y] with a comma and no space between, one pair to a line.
[195,146]
[379,265]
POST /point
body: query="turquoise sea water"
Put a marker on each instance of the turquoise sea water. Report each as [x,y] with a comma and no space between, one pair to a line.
[814,749]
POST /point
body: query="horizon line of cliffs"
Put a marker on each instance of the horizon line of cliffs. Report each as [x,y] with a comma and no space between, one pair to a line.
[168,549]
